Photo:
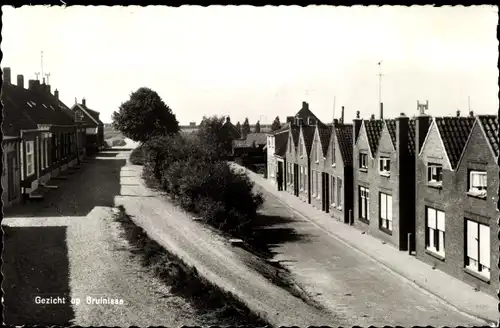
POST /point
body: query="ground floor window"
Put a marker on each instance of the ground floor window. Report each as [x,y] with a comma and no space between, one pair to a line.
[435,232]
[364,203]
[301,176]
[385,201]
[477,248]
[30,157]
[332,193]
[339,193]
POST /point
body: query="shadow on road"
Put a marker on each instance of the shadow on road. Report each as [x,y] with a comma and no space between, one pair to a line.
[35,264]
[95,184]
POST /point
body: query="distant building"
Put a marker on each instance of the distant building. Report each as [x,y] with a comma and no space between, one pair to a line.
[95,127]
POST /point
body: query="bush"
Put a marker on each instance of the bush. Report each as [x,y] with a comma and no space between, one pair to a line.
[201,183]
[138,157]
[118,143]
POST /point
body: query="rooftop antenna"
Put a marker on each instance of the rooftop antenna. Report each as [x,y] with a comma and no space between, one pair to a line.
[469,103]
[36,75]
[380,81]
[47,75]
[422,107]
[334,108]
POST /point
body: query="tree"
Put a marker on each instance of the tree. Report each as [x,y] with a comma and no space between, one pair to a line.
[276,124]
[238,127]
[144,116]
[215,135]
[245,128]
[257,127]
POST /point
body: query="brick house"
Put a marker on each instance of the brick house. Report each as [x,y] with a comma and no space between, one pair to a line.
[46,131]
[303,160]
[457,184]
[11,174]
[280,142]
[319,149]
[292,168]
[338,172]
[94,132]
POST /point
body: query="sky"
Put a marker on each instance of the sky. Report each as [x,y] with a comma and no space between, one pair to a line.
[262,62]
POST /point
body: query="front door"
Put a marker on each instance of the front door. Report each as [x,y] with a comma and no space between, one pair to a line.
[11,175]
[296,179]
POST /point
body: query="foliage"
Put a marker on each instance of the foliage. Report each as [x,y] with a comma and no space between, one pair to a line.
[118,143]
[257,127]
[276,124]
[238,127]
[215,135]
[138,156]
[144,116]
[245,128]
[194,176]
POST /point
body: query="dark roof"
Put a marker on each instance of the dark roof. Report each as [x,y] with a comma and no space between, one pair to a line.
[454,132]
[260,139]
[284,128]
[373,130]
[308,134]
[324,136]
[344,134]
[280,144]
[25,109]
[232,129]
[304,113]
[391,127]
[490,127]
[411,137]
[295,135]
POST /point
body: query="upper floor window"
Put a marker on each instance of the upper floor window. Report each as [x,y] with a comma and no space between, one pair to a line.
[384,166]
[318,150]
[363,161]
[477,183]
[290,146]
[434,174]
[300,148]
[333,152]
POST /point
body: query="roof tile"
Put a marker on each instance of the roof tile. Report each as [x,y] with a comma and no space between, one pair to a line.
[324,136]
[344,134]
[454,133]
[373,131]
[490,127]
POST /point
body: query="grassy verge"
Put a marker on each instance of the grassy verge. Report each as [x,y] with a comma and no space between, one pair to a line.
[216,306]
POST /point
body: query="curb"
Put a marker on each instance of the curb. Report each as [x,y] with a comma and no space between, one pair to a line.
[385,265]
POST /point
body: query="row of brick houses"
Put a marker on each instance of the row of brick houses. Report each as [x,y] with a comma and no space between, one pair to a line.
[42,137]
[426,185]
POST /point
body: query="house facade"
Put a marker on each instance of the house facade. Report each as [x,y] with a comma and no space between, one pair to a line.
[319,195]
[292,168]
[94,131]
[41,129]
[456,210]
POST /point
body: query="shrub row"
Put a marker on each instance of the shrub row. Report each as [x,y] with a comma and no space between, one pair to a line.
[189,171]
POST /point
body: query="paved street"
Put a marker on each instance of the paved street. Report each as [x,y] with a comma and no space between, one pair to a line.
[351,284]
[69,245]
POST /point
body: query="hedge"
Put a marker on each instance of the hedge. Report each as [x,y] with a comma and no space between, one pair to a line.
[189,171]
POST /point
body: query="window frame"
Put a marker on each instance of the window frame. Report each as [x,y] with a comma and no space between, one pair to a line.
[340,193]
[386,220]
[383,161]
[30,160]
[430,174]
[477,191]
[364,198]
[363,161]
[478,267]
[333,186]
[435,233]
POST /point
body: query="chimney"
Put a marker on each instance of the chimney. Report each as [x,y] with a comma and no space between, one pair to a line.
[402,123]
[84,103]
[305,105]
[471,113]
[356,126]
[381,111]
[56,93]
[335,122]
[47,88]
[7,75]
[422,123]
[32,84]
[289,119]
[458,113]
[372,117]
[20,81]
[342,116]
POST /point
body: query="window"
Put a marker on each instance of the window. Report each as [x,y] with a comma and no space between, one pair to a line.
[364,203]
[313,182]
[290,145]
[384,166]
[477,183]
[301,175]
[434,233]
[434,173]
[478,248]
[300,147]
[333,191]
[46,147]
[385,211]
[30,158]
[363,161]
[339,192]
[306,181]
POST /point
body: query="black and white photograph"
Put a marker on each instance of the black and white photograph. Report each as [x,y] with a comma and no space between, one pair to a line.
[250,166]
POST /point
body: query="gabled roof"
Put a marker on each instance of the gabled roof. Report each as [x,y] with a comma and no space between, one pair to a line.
[284,128]
[232,129]
[259,139]
[295,135]
[454,132]
[280,144]
[308,135]
[26,108]
[373,129]
[344,133]
[91,116]
[324,137]
[489,124]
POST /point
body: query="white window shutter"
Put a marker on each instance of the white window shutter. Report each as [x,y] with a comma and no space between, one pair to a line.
[440,220]
[484,247]
[431,218]
[472,247]
[383,207]
[389,208]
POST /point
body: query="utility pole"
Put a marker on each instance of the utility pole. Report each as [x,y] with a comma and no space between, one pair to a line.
[380,89]
[469,103]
